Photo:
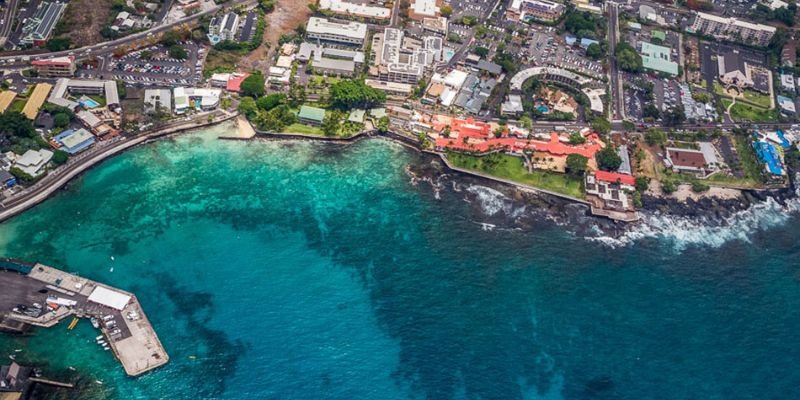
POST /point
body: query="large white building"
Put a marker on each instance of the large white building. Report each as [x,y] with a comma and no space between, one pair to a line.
[322,29]
[342,7]
[733,29]
[403,60]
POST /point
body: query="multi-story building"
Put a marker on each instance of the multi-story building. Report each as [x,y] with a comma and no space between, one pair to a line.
[55,67]
[39,27]
[352,33]
[542,10]
[229,26]
[403,60]
[346,8]
[421,9]
[733,29]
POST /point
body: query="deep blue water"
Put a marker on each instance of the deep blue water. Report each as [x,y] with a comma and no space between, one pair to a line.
[306,271]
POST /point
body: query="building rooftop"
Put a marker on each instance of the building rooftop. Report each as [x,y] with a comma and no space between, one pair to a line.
[6,97]
[352,30]
[36,100]
[356,9]
[312,113]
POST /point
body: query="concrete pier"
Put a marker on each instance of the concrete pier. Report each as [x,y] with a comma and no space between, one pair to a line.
[133,340]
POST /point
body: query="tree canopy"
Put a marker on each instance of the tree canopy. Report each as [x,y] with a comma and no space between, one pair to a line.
[576,164]
[248,107]
[627,58]
[349,93]
[271,101]
[253,85]
[608,159]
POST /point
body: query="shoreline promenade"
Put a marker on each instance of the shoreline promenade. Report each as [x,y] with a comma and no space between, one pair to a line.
[59,177]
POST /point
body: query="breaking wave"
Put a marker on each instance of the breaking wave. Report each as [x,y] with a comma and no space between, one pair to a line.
[492,201]
[682,232]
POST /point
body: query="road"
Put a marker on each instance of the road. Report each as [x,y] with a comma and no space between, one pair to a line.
[8,21]
[110,46]
[617,91]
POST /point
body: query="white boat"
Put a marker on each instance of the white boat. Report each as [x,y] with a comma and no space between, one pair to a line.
[99,337]
[99,382]
[95,324]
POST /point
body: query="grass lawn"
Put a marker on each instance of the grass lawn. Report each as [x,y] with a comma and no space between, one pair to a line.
[302,128]
[17,105]
[513,169]
[743,112]
[750,164]
[757,98]
[319,80]
[723,180]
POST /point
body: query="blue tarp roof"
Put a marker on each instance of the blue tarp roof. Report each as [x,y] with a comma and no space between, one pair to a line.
[785,143]
[768,154]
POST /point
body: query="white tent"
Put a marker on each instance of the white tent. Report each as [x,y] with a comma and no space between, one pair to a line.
[109,298]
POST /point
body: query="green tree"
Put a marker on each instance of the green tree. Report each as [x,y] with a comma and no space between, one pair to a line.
[608,159]
[699,187]
[642,183]
[601,125]
[577,138]
[61,120]
[60,157]
[628,59]
[446,10]
[576,165]
[668,187]
[595,52]
[253,85]
[481,51]
[58,44]
[248,107]
[526,122]
[383,124]
[171,38]
[348,93]
[651,111]
[331,122]
[655,137]
[146,55]
[176,51]
[271,101]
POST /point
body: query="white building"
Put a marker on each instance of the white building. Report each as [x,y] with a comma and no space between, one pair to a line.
[346,8]
[229,26]
[322,29]
[33,162]
[733,29]
[157,99]
[197,98]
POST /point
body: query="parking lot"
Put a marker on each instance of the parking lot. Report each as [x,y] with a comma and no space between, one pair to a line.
[158,68]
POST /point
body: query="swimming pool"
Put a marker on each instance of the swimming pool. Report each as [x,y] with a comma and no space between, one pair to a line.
[89,103]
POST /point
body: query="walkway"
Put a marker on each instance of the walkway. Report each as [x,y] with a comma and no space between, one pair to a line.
[62,175]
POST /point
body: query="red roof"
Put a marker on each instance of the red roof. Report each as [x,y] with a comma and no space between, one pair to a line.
[615,177]
[235,82]
[61,61]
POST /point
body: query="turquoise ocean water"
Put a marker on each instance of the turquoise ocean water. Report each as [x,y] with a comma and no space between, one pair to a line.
[288,270]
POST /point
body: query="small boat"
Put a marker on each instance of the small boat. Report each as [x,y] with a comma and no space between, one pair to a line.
[99,337]
[17,350]
[95,323]
[72,368]
[12,357]
[112,258]
[101,342]
[111,269]
[99,382]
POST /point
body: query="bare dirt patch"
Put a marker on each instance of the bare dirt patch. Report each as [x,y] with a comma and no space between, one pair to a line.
[288,14]
[83,26]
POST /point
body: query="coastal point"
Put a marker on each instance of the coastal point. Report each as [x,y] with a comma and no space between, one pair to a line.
[41,296]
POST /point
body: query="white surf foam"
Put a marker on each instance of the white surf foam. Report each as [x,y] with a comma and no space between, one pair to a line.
[683,232]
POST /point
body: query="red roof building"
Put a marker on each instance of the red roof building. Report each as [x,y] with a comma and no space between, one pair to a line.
[58,66]
[477,136]
[615,177]
[235,82]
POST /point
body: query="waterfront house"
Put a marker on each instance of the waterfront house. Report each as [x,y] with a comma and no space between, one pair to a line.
[311,115]
[33,162]
[73,141]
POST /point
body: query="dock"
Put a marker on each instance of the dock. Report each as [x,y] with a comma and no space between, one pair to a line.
[123,322]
